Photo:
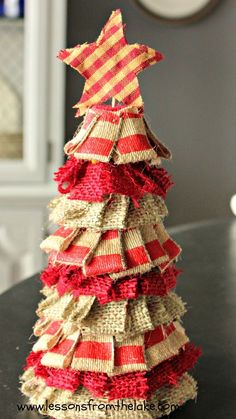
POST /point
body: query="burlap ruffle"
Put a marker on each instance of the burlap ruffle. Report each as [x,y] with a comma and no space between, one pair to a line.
[71,279]
[117,212]
[86,181]
[122,319]
[166,399]
[121,136]
[119,253]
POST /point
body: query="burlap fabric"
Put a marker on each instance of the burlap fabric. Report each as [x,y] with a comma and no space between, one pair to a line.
[117,212]
[71,279]
[121,319]
[66,322]
[91,182]
[166,399]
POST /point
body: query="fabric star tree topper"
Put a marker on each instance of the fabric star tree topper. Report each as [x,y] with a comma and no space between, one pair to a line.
[110,66]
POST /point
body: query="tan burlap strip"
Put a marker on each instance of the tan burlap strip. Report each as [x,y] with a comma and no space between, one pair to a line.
[134,318]
[167,348]
[151,210]
[161,150]
[131,345]
[36,390]
[165,309]
[138,320]
[61,359]
[132,127]
[166,400]
[109,319]
[80,136]
[135,156]
[76,213]
[58,242]
[146,313]
[55,307]
[118,212]
[94,354]
[106,131]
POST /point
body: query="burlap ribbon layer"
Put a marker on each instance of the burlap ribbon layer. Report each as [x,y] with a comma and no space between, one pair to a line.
[118,135]
[71,279]
[119,253]
[101,353]
[116,213]
[91,182]
[122,319]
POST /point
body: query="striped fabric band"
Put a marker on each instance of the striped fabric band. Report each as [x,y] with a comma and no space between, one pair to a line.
[102,353]
[119,253]
[120,135]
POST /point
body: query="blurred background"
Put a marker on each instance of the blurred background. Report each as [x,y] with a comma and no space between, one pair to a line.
[190,100]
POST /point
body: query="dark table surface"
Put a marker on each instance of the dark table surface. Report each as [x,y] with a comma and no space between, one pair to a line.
[208,285]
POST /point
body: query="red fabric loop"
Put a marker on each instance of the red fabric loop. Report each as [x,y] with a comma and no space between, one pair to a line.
[93,182]
[71,279]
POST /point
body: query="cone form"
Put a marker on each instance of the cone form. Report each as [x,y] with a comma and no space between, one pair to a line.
[109,327]
[109,332]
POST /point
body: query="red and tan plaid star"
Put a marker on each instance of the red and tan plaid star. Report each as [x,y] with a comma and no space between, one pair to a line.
[110,66]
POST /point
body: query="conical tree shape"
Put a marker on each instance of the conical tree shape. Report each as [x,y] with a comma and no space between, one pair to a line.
[109,326]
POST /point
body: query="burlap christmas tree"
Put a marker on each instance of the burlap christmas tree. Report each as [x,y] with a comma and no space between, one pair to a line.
[110,340]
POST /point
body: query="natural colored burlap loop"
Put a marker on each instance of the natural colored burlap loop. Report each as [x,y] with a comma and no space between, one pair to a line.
[161,150]
[121,319]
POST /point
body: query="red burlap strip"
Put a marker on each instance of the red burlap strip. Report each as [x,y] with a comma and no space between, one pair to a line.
[93,182]
[71,279]
[133,385]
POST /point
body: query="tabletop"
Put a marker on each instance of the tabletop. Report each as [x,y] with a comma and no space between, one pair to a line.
[208,285]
